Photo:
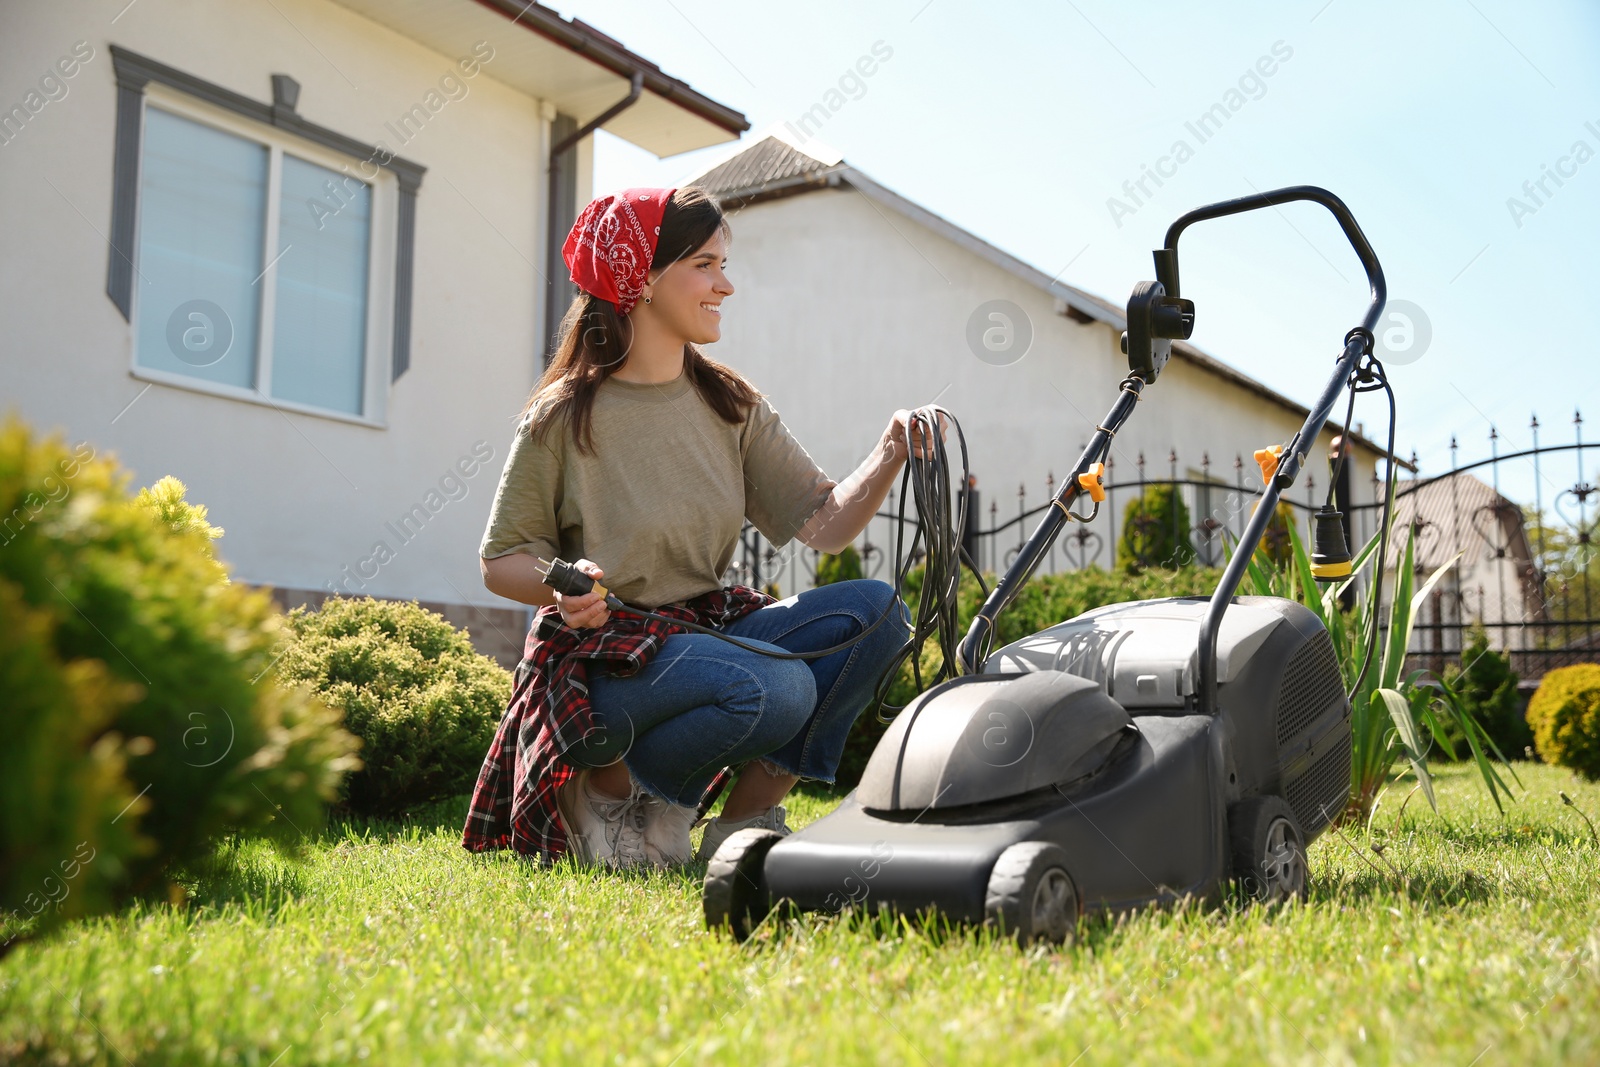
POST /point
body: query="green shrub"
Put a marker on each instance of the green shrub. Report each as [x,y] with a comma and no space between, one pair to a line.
[64,787]
[844,567]
[1565,716]
[1487,688]
[411,686]
[137,723]
[1048,599]
[1155,531]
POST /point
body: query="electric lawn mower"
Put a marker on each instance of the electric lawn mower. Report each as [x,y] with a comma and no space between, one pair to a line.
[1136,755]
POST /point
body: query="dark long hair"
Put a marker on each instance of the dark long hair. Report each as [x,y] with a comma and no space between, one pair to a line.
[594,339]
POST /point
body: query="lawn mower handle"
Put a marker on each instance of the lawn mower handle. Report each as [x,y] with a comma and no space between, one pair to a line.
[1167,258]
[1358,343]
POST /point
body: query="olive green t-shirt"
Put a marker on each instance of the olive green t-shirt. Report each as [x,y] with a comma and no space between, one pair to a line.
[660,502]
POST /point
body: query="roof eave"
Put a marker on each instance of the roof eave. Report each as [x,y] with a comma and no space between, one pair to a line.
[777,190]
[1072,298]
[620,61]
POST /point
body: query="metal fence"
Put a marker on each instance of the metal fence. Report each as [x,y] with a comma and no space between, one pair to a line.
[1544,618]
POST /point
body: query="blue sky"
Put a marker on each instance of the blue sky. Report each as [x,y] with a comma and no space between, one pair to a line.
[1020,122]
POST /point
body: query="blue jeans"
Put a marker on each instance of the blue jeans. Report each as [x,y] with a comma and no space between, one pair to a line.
[702,703]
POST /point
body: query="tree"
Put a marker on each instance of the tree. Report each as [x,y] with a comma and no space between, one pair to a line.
[1487,688]
[1570,570]
[1155,531]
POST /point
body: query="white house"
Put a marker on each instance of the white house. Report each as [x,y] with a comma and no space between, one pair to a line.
[298,253]
[851,301]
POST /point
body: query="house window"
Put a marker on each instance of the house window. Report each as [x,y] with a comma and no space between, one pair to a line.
[319,327]
[258,256]
[253,266]
[202,209]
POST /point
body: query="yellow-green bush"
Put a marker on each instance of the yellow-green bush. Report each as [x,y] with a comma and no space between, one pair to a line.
[62,841]
[1565,716]
[424,703]
[168,500]
[139,717]
[844,567]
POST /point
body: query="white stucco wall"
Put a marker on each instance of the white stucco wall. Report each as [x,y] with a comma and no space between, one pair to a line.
[845,311]
[301,496]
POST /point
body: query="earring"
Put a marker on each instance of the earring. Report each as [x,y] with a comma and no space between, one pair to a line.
[647,300]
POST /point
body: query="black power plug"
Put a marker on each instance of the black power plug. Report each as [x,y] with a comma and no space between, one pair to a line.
[568,580]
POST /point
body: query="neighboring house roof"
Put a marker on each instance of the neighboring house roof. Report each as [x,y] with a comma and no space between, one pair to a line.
[764,170]
[1456,513]
[771,168]
[574,66]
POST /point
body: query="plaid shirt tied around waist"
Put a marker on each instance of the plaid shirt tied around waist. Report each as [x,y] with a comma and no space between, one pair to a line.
[514,802]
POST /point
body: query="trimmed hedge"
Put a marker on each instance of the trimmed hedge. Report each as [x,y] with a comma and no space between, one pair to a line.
[424,703]
[139,722]
[1565,716]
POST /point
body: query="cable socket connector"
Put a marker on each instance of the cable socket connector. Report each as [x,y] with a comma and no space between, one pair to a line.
[568,580]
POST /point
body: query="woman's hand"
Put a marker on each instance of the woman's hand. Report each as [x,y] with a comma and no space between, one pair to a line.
[852,503]
[588,610]
[895,436]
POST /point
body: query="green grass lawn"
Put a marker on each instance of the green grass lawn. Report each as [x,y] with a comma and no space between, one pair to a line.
[1471,940]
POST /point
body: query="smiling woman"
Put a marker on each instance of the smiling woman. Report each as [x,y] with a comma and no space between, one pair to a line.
[638,451]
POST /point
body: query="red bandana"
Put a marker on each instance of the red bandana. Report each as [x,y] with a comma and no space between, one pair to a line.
[613,242]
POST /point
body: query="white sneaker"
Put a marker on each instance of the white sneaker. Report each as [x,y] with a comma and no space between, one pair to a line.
[718,829]
[666,832]
[602,829]
[627,847]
